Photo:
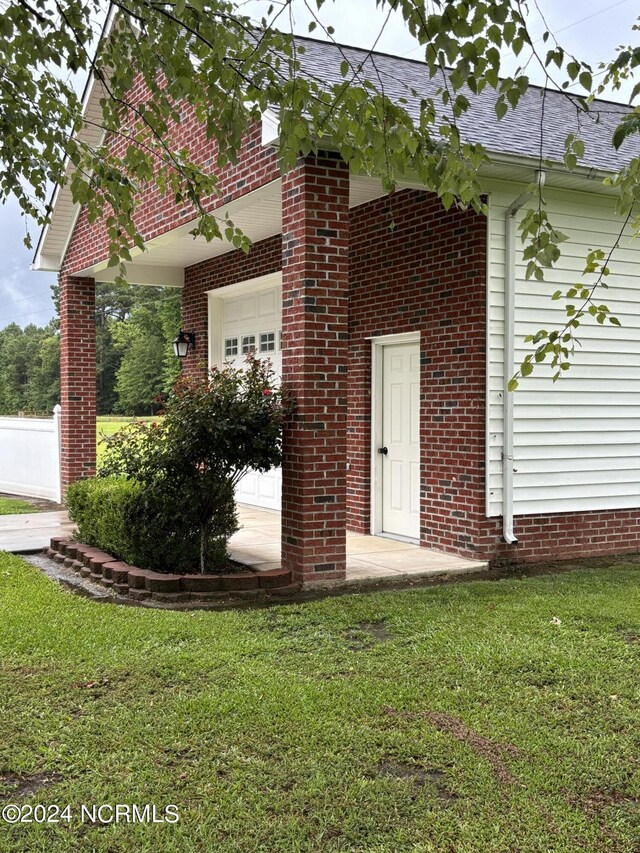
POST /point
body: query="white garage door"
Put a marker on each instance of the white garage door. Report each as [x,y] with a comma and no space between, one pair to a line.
[253,324]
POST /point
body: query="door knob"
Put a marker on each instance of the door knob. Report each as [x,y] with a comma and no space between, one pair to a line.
[383,450]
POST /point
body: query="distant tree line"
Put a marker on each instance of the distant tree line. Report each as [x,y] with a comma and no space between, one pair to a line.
[134,358]
[29,368]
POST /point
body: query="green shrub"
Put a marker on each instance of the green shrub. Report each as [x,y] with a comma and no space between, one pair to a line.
[213,431]
[101,508]
[117,515]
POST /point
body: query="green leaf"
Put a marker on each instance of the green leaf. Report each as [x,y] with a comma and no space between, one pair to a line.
[501,109]
[586,81]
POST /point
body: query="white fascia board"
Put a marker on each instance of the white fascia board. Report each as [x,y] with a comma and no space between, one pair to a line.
[93,91]
[53,262]
[39,262]
[270,128]
[583,174]
[45,263]
[160,276]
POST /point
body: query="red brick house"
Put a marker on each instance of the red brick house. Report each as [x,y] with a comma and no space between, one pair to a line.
[397,342]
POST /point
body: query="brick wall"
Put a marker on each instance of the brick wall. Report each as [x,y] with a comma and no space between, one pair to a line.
[156,214]
[417,267]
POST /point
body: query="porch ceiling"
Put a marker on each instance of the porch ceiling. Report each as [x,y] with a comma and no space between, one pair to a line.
[258,214]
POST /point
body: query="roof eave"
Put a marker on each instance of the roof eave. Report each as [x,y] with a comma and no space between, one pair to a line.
[591,173]
[271,134]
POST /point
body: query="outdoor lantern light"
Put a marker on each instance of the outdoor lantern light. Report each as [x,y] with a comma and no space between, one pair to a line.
[183,343]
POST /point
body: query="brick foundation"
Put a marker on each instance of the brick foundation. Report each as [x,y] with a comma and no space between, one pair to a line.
[562,536]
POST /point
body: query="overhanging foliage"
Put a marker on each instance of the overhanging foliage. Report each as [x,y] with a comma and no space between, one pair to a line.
[207,57]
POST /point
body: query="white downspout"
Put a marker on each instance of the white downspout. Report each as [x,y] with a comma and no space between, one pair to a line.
[509,360]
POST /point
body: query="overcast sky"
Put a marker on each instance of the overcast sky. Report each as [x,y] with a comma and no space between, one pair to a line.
[591,29]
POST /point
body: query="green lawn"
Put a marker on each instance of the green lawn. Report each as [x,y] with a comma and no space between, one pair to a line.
[456,718]
[108,425]
[11,506]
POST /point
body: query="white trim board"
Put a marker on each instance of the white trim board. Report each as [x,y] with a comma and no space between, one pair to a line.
[250,285]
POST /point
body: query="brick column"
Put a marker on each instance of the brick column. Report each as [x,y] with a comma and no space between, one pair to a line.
[77,378]
[315,270]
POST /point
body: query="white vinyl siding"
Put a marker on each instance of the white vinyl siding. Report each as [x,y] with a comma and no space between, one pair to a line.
[576,442]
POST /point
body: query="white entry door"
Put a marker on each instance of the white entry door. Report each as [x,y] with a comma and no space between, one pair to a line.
[252,323]
[399,450]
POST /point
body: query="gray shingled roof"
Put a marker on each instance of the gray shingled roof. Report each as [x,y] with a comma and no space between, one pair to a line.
[517,133]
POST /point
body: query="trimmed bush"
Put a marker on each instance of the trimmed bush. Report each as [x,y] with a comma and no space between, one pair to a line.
[117,515]
[100,509]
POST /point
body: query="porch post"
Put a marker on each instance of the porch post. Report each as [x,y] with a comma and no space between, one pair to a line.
[77,378]
[315,270]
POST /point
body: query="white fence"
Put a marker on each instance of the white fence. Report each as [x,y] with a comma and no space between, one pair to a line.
[30,456]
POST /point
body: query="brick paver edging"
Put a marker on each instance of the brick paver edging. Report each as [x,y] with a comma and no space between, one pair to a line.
[140,584]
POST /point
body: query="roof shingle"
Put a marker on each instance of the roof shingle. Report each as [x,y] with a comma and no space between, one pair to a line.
[549,114]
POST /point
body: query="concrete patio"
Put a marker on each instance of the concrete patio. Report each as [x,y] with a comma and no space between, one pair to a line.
[371,558]
[257,543]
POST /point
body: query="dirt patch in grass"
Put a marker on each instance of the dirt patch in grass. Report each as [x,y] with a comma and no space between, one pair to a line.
[490,750]
[25,671]
[366,634]
[334,676]
[404,771]
[180,757]
[418,775]
[98,687]
[630,636]
[594,803]
[377,630]
[25,786]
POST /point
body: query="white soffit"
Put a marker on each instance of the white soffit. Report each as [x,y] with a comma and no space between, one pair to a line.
[515,170]
[363,189]
[258,214]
